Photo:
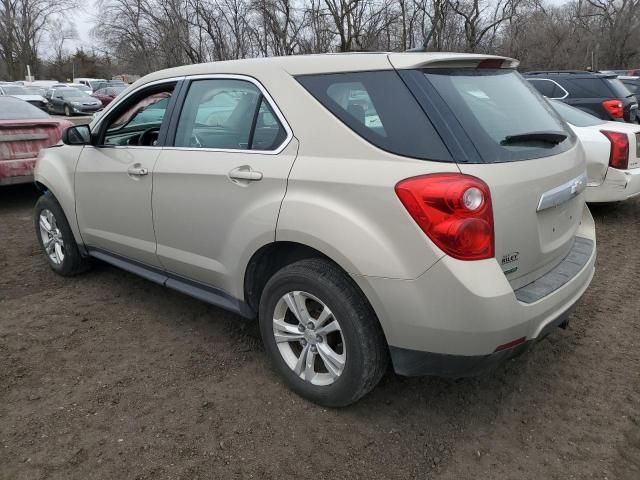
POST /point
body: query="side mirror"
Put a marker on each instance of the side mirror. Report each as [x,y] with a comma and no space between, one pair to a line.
[77,135]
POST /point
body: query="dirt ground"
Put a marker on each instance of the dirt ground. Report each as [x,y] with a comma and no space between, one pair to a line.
[109,376]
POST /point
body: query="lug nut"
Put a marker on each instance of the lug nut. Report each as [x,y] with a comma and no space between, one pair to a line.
[301,328]
[310,326]
[314,349]
[318,339]
[304,342]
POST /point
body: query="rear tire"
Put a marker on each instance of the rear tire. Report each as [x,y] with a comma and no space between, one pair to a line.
[56,238]
[338,367]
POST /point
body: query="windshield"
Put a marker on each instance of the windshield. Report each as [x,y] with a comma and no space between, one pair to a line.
[14,90]
[575,116]
[14,109]
[501,113]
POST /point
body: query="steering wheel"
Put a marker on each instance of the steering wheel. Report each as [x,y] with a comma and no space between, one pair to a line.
[146,138]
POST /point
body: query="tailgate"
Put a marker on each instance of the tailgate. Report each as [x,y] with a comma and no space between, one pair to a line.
[531,238]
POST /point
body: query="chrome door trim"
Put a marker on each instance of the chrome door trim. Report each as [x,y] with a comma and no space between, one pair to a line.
[565,192]
[267,97]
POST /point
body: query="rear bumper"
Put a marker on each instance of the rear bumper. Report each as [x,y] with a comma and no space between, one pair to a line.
[413,363]
[618,185]
[450,320]
[17,171]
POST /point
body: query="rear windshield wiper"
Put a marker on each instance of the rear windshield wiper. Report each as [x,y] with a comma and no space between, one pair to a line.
[547,136]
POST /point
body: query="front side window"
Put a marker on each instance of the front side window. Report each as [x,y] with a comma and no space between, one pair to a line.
[228,114]
[137,121]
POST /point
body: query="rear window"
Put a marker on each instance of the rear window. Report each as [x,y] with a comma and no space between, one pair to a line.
[575,116]
[619,89]
[14,109]
[495,105]
[632,86]
[379,107]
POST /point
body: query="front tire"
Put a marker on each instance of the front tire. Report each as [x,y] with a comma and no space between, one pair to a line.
[321,334]
[56,238]
[67,111]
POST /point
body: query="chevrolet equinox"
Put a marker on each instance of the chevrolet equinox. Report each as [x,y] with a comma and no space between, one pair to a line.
[419,209]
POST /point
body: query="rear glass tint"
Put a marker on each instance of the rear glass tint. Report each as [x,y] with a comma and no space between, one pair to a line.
[492,105]
[587,87]
[14,109]
[632,86]
[619,89]
[576,116]
[379,107]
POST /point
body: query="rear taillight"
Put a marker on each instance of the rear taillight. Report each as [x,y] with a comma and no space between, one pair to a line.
[454,210]
[619,153]
[614,108]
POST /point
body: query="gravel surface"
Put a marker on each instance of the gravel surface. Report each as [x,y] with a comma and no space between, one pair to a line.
[109,376]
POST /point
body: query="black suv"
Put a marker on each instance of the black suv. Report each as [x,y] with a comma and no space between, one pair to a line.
[600,94]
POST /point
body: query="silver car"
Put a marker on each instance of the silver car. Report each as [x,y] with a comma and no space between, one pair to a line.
[423,209]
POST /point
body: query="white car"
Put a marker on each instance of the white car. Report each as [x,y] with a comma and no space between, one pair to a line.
[613,154]
[22,93]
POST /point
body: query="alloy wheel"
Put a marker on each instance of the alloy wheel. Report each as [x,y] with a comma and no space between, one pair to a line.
[309,338]
[51,236]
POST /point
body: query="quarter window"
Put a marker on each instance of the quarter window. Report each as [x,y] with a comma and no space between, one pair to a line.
[227,114]
[378,106]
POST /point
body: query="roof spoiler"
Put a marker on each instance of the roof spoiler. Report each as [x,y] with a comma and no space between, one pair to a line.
[418,59]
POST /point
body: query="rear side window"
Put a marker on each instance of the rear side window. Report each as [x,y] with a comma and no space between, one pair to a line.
[587,87]
[379,107]
[497,108]
[576,116]
[228,114]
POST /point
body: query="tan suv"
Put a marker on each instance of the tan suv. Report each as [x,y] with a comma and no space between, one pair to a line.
[421,207]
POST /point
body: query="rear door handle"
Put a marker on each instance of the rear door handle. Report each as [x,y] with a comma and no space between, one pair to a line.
[137,170]
[245,174]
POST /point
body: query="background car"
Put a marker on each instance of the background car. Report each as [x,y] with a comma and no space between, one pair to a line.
[77,86]
[23,94]
[602,95]
[69,101]
[24,131]
[108,83]
[613,154]
[92,83]
[107,94]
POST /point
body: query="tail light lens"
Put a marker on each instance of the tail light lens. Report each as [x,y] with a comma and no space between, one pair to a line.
[614,108]
[453,210]
[619,153]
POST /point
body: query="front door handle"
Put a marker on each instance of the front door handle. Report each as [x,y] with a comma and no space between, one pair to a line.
[137,170]
[245,174]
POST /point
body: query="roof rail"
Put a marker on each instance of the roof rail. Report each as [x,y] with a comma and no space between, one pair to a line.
[544,72]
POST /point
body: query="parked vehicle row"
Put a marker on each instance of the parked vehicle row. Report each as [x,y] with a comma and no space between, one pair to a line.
[602,95]
[361,207]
